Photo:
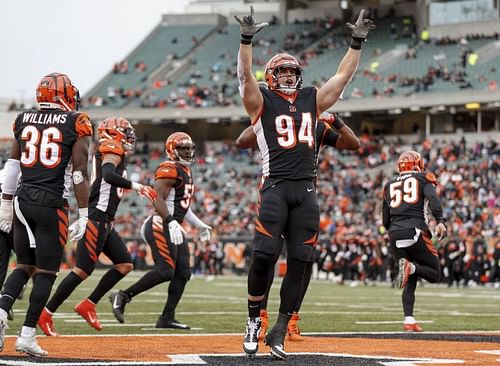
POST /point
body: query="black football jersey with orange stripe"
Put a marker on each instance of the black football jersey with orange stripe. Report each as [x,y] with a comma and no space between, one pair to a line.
[104,197]
[286,134]
[408,199]
[46,140]
[179,197]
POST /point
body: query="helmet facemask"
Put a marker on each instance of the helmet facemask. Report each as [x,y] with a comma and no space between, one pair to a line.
[287,88]
[185,151]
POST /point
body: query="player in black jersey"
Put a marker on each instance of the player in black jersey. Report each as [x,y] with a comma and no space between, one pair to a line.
[116,141]
[284,118]
[407,200]
[49,144]
[341,138]
[164,234]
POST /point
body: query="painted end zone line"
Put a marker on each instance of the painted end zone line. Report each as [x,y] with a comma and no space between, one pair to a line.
[391,322]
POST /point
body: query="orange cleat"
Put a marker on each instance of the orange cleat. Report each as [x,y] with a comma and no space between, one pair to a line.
[46,325]
[412,328]
[404,272]
[293,330]
[86,309]
[264,318]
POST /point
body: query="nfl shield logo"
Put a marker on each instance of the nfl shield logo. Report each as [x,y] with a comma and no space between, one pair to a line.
[293,108]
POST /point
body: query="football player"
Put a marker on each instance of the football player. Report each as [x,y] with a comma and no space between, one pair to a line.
[164,233]
[340,137]
[283,117]
[116,141]
[48,145]
[406,201]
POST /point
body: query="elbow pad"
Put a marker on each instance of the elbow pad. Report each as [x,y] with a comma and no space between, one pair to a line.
[12,171]
[110,176]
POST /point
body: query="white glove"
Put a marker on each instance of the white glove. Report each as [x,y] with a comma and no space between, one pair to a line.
[77,229]
[176,232]
[204,232]
[6,215]
[440,231]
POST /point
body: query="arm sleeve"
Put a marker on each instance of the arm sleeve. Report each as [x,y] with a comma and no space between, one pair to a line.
[110,176]
[193,219]
[434,202]
[386,215]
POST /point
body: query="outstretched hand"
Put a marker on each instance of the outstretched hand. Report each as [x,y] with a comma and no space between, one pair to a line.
[248,26]
[360,29]
[441,231]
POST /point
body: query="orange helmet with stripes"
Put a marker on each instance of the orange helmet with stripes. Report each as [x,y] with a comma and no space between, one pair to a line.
[57,91]
[273,66]
[117,129]
[180,147]
[410,161]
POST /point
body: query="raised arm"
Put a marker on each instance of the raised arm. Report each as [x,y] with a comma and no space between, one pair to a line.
[248,86]
[331,90]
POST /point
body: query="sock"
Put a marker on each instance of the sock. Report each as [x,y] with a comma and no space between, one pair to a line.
[253,309]
[27,331]
[107,282]
[175,291]
[149,280]
[42,285]
[13,288]
[65,288]
[409,320]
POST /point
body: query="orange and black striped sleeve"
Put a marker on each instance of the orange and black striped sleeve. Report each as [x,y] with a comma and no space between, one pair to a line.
[166,170]
[83,125]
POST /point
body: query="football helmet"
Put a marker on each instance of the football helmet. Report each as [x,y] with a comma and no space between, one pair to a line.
[410,161]
[273,66]
[118,129]
[57,91]
[180,147]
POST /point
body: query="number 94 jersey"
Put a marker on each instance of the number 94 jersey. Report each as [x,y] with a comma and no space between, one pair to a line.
[46,140]
[408,199]
[179,197]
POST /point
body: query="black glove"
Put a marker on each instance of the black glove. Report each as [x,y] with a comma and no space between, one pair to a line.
[359,30]
[248,27]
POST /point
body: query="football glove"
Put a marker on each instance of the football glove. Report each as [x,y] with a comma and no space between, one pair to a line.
[176,232]
[440,231]
[360,29]
[77,229]
[205,232]
[145,191]
[248,26]
[6,215]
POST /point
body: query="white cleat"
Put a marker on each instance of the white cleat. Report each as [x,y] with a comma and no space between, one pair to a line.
[30,346]
[251,340]
[3,327]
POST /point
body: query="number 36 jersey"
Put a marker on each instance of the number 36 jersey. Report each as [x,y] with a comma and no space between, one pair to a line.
[408,200]
[286,134]
[46,140]
[179,197]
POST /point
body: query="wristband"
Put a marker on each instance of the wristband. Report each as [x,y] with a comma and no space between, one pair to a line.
[83,212]
[338,123]
[356,43]
[246,39]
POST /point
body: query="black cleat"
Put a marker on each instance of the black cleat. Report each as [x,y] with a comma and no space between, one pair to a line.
[118,301]
[276,339]
[165,322]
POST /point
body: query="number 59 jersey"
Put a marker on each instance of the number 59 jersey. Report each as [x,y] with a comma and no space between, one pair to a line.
[408,200]
[179,197]
[46,140]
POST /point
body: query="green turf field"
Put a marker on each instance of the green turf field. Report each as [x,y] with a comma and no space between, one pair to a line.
[218,305]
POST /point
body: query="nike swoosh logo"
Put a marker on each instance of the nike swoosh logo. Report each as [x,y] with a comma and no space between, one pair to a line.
[92,319]
[309,189]
[115,304]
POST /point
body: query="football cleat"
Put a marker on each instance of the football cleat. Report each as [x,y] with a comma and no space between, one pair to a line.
[276,340]
[251,340]
[293,331]
[46,324]
[264,318]
[3,327]
[29,346]
[118,301]
[404,273]
[412,327]
[86,309]
[169,323]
